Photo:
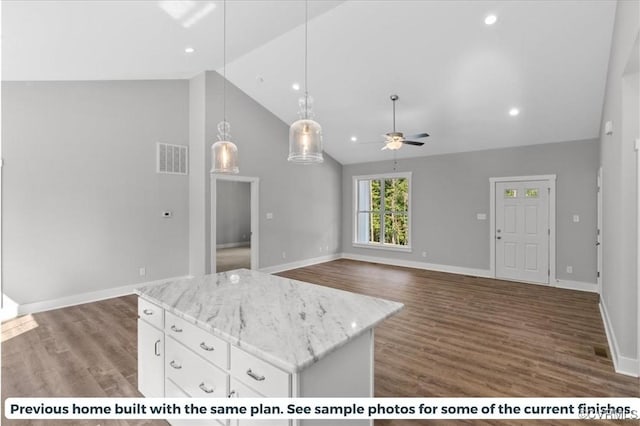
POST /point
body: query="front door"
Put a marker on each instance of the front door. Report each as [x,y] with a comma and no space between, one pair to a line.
[522,231]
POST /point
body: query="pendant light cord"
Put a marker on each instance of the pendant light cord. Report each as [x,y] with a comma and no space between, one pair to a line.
[224,60]
[394,116]
[306,49]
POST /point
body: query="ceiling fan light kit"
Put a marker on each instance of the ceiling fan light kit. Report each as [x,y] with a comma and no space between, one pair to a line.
[305,135]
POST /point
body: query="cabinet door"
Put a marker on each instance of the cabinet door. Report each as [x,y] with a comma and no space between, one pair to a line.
[150,360]
[239,390]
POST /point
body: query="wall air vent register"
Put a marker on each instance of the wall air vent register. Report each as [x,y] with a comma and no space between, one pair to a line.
[172,159]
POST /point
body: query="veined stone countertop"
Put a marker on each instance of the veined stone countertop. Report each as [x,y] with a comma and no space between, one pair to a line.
[289,323]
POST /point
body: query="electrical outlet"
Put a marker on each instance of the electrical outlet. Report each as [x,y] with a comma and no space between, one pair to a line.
[269,215]
[569,269]
[576,218]
[284,254]
[142,271]
[424,254]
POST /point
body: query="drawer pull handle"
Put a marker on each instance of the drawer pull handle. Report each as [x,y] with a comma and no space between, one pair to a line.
[175,365]
[147,312]
[176,329]
[254,376]
[231,394]
[156,348]
[205,347]
[205,389]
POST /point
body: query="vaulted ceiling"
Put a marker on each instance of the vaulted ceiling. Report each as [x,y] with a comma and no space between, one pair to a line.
[456,76]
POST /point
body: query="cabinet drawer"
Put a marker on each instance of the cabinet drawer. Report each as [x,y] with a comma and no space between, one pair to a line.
[195,376]
[151,313]
[261,376]
[173,391]
[203,343]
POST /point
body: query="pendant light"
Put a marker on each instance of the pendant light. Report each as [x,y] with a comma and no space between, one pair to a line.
[224,153]
[305,135]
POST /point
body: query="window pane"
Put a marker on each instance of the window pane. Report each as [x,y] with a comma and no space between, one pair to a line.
[531,193]
[374,226]
[363,195]
[368,228]
[363,228]
[396,229]
[510,193]
[376,198]
[396,195]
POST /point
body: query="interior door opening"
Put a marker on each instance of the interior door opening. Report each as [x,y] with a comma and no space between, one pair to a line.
[234,223]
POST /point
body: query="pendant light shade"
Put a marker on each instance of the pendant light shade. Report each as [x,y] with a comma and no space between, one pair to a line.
[224,153]
[305,135]
[305,142]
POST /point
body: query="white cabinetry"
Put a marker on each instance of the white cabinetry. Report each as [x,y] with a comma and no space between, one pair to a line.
[177,358]
[150,350]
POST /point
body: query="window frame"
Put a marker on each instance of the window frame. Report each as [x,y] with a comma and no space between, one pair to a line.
[382,245]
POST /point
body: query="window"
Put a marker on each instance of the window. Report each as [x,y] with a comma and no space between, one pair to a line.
[382,214]
[531,193]
[510,193]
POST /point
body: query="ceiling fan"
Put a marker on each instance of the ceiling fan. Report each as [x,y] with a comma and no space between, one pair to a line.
[394,140]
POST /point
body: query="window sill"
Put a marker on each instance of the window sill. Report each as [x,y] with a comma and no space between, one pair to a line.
[388,247]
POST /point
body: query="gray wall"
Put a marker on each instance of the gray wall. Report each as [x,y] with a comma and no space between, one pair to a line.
[619,280]
[305,200]
[233,212]
[449,190]
[82,202]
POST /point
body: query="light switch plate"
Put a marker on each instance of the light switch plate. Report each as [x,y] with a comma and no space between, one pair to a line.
[608,128]
[576,218]
[481,216]
[269,215]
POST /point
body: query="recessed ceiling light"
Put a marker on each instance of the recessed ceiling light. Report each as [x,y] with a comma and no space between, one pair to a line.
[490,19]
[354,139]
[514,111]
[189,49]
[295,86]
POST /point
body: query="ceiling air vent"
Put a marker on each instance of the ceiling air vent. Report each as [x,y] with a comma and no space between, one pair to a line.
[172,159]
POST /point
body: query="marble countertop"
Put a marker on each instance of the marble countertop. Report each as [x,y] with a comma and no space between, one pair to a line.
[289,323]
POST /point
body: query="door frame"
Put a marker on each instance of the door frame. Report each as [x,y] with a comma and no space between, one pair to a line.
[551,180]
[255,217]
[599,232]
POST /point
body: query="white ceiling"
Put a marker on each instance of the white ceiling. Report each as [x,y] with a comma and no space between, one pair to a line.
[456,77]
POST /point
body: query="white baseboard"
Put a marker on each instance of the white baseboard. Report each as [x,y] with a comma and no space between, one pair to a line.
[622,364]
[421,265]
[577,285]
[232,245]
[78,299]
[300,264]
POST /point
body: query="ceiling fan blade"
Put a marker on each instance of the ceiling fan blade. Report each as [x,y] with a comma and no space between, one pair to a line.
[412,143]
[418,136]
[384,147]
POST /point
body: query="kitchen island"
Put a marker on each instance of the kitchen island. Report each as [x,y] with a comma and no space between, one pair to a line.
[245,333]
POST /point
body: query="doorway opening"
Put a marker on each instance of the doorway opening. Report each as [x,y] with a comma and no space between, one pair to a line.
[522,228]
[234,223]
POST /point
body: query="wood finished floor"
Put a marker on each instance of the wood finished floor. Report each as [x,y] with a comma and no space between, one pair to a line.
[457,336]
